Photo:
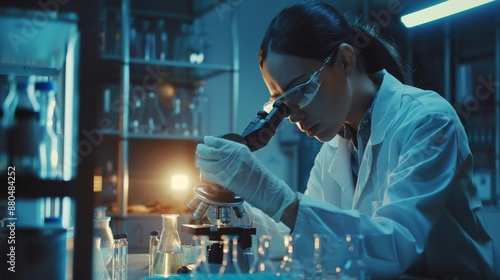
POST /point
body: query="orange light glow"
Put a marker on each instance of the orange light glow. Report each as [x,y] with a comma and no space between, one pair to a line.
[179,182]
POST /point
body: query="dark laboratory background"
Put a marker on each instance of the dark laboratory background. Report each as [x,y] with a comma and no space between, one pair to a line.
[115,95]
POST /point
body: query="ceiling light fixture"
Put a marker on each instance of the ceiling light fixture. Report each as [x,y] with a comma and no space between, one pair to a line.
[440,10]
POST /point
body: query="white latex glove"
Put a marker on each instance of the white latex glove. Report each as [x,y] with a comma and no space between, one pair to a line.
[234,167]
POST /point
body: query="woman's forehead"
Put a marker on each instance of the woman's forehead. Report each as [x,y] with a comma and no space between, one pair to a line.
[279,69]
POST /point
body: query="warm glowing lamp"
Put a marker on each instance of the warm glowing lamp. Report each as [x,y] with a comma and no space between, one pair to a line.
[179,182]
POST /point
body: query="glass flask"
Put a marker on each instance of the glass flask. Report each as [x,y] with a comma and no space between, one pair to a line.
[262,263]
[136,105]
[202,268]
[169,257]
[231,251]
[355,267]
[161,41]
[102,230]
[291,267]
[99,271]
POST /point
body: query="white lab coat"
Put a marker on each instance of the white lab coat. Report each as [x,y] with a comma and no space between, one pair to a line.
[414,201]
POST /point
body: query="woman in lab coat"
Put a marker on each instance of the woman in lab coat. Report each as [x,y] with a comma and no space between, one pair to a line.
[395,166]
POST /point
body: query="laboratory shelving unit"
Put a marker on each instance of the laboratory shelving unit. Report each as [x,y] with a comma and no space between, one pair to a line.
[53,51]
[134,153]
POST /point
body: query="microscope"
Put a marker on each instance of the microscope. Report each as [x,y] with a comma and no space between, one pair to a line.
[257,134]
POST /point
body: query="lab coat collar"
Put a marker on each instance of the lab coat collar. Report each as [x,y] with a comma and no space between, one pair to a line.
[341,166]
[386,107]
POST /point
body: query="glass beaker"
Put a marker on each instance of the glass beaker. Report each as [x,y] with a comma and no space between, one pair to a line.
[262,263]
[230,250]
[169,257]
[102,230]
[291,267]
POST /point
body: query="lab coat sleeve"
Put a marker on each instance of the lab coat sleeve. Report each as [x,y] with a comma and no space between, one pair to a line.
[416,192]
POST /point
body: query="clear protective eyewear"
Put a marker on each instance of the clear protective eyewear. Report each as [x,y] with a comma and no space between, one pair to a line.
[301,95]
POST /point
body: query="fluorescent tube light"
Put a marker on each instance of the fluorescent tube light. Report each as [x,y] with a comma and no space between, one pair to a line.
[440,10]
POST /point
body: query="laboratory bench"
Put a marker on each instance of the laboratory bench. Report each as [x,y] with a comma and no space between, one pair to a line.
[138,269]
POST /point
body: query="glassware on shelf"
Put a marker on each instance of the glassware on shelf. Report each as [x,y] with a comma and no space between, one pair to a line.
[149,41]
[3,143]
[198,109]
[355,267]
[102,31]
[103,231]
[201,267]
[6,91]
[136,104]
[179,119]
[169,257]
[114,35]
[180,51]
[161,51]
[109,183]
[25,132]
[110,108]
[135,39]
[262,263]
[291,267]
[51,140]
[151,117]
[231,251]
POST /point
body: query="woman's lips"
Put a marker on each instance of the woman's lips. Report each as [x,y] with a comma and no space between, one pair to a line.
[312,131]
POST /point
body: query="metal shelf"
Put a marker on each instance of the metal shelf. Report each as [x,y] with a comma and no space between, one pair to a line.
[171,70]
[140,136]
[171,9]
[147,136]
[30,187]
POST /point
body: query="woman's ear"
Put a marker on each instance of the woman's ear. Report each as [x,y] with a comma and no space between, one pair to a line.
[347,59]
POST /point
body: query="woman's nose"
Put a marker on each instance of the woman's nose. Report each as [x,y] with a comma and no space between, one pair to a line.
[295,117]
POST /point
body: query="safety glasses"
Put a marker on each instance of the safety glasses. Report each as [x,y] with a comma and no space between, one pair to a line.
[301,95]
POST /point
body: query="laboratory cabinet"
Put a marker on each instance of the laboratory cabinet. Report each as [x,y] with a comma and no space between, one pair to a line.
[46,202]
[156,60]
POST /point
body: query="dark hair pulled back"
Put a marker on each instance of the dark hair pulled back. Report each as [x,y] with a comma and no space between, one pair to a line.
[313,30]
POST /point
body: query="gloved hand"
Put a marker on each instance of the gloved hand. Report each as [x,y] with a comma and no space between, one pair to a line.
[234,167]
